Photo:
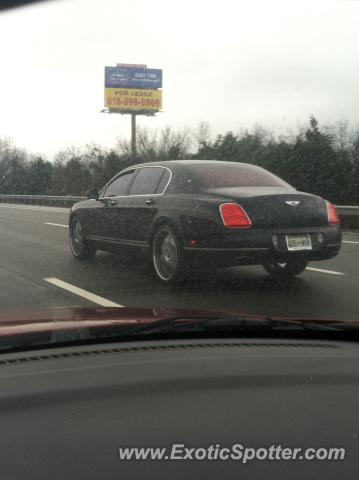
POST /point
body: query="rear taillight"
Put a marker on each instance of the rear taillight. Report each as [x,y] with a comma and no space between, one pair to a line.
[234,216]
[333,217]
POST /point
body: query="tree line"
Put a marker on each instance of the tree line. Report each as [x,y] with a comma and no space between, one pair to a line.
[319,160]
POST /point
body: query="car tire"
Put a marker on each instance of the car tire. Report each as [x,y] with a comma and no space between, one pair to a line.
[287,269]
[80,247]
[166,255]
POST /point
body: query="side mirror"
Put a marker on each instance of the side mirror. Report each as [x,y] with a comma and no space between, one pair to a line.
[92,193]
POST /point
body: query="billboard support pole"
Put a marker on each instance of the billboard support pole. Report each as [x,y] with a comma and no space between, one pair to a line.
[133,135]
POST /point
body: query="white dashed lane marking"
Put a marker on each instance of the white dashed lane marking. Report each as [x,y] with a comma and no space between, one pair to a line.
[56,224]
[104,302]
[321,270]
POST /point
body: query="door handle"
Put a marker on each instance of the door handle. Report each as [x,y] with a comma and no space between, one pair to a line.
[113,202]
[149,201]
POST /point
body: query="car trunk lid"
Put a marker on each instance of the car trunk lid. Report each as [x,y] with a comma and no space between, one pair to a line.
[278,207]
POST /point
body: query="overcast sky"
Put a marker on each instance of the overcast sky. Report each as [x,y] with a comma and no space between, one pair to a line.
[233,64]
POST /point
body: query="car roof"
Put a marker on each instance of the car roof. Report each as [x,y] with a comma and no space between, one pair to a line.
[171,163]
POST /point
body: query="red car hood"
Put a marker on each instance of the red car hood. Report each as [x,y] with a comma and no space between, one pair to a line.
[15,322]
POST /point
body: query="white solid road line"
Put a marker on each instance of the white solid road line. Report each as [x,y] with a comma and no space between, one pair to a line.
[320,270]
[349,241]
[56,224]
[82,293]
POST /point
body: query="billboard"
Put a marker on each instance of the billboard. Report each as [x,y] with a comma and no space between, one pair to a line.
[134,99]
[132,77]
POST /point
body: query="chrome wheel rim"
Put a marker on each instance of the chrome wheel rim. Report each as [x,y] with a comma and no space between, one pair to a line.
[165,255]
[77,237]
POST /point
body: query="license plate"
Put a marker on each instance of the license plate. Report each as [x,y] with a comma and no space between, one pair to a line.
[298,242]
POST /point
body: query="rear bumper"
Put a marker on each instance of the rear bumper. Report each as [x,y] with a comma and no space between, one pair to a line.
[256,247]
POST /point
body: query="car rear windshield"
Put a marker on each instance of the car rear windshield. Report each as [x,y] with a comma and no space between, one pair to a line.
[211,176]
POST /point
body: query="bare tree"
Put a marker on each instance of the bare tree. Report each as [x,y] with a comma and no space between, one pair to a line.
[202,134]
[153,145]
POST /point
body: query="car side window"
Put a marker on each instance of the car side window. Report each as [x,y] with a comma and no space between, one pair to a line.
[146,181]
[119,186]
[164,181]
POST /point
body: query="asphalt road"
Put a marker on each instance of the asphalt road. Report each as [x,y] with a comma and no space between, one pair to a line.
[38,271]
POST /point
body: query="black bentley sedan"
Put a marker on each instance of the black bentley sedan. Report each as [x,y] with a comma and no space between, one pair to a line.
[196,214]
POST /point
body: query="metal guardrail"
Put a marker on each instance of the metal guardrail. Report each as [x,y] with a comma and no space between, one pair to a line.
[46,200]
[347,210]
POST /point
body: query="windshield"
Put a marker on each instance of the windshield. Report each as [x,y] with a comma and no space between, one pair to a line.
[171,156]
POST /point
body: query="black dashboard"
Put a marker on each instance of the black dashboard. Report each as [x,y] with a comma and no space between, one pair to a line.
[65,412]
